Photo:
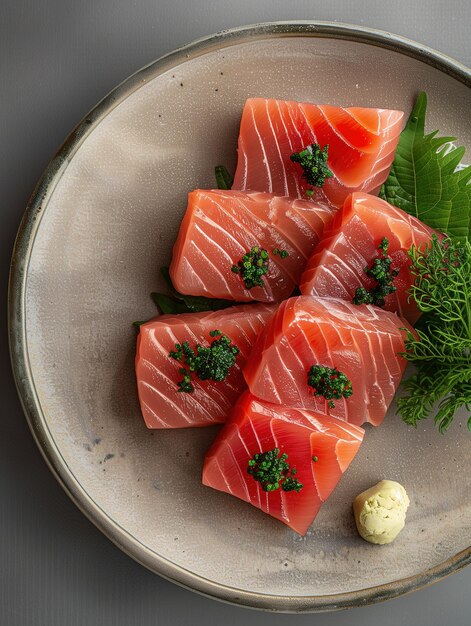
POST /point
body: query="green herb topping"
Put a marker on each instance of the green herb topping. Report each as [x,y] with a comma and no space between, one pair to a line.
[281,253]
[207,363]
[291,484]
[252,267]
[442,352]
[272,471]
[381,272]
[329,382]
[427,183]
[223,179]
[313,161]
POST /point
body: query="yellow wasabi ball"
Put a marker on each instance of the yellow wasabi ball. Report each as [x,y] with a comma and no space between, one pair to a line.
[380,511]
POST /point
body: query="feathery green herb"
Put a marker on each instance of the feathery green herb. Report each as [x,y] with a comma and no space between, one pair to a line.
[207,363]
[442,351]
[223,179]
[329,382]
[381,272]
[272,471]
[252,267]
[313,161]
[425,183]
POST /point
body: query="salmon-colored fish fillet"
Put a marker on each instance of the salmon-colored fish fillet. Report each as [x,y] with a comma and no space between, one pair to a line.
[220,226]
[361,341]
[162,404]
[320,448]
[350,244]
[361,147]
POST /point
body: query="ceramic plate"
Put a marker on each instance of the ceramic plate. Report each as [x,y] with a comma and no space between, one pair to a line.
[99,226]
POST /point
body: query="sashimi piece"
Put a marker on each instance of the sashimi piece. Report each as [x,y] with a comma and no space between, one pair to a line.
[157,373]
[361,144]
[350,244]
[363,342]
[320,448]
[220,226]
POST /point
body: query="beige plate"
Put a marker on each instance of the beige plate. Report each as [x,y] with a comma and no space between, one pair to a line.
[100,224]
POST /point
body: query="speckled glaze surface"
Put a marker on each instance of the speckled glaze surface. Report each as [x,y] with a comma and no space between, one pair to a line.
[101,223]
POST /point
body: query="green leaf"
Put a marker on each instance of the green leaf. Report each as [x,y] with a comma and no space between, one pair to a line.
[167,304]
[180,303]
[223,179]
[200,303]
[166,276]
[139,323]
[423,181]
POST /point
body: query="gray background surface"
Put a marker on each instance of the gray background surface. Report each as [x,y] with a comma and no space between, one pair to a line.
[57,59]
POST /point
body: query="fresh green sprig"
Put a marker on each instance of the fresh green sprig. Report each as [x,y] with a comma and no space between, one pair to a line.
[207,363]
[381,272]
[252,266]
[329,383]
[272,471]
[442,349]
[313,161]
[424,180]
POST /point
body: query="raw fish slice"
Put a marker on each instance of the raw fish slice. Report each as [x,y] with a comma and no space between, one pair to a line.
[162,404]
[256,426]
[363,342]
[350,244]
[361,147]
[220,226]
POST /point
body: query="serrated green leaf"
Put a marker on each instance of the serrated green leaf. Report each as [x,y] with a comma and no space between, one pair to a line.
[425,183]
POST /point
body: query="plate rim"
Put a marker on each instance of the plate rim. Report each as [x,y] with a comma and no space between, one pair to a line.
[17,332]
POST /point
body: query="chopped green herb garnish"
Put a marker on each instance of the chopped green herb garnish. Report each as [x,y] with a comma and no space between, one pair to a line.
[425,182]
[185,384]
[315,459]
[442,350]
[313,161]
[381,272]
[272,471]
[252,267]
[329,383]
[223,179]
[207,363]
[291,484]
[309,193]
[281,253]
